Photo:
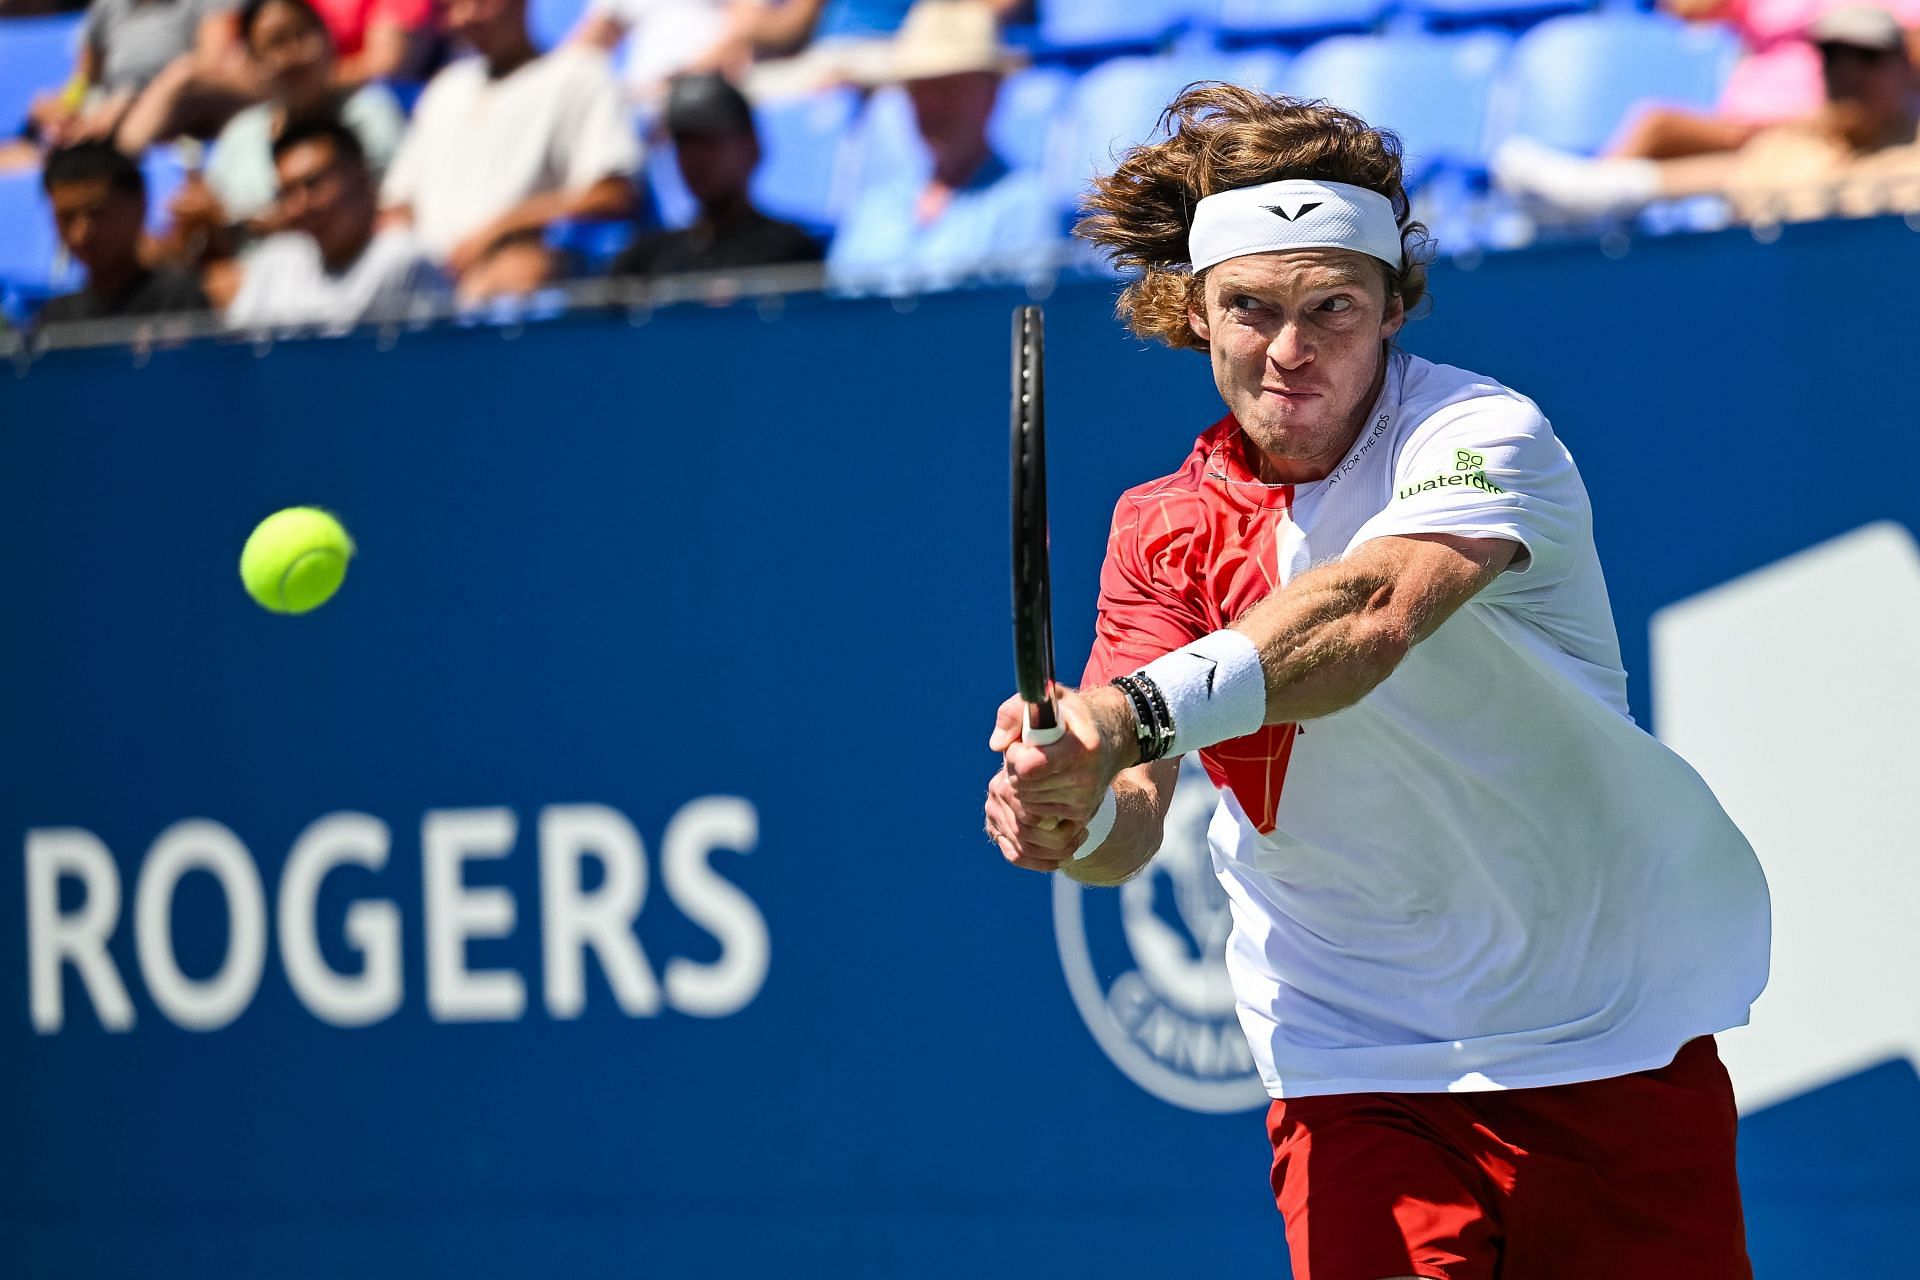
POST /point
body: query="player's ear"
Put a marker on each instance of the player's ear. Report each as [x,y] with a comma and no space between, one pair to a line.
[1197,315]
[1395,316]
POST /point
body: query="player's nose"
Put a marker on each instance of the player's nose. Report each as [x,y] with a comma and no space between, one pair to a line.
[1289,348]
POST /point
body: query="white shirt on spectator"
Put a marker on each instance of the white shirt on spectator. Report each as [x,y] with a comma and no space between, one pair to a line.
[284,282]
[479,146]
[663,36]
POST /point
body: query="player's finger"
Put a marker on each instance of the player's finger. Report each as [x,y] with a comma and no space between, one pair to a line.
[1026,760]
[1079,722]
[1007,721]
[1029,863]
[1066,788]
[1046,841]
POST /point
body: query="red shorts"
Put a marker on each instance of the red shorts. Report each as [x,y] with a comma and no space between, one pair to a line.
[1629,1177]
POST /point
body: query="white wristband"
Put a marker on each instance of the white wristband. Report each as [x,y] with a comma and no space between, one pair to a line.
[1215,690]
[1099,826]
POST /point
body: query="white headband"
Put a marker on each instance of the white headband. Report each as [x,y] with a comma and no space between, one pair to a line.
[1295,213]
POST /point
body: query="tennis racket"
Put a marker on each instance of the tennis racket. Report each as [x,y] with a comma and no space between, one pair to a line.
[1032,581]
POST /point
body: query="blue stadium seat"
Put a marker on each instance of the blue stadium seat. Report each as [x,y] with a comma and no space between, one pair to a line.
[1573,80]
[1262,69]
[164,171]
[29,249]
[1024,118]
[1444,15]
[1114,106]
[1431,90]
[887,140]
[36,54]
[805,141]
[1297,19]
[552,21]
[1107,26]
[672,202]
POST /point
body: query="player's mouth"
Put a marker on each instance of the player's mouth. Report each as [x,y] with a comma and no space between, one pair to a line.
[1290,395]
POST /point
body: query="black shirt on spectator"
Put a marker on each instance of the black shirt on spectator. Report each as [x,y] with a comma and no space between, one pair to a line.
[750,239]
[151,293]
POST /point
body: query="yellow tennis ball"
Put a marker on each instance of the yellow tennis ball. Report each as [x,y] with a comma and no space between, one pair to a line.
[295,559]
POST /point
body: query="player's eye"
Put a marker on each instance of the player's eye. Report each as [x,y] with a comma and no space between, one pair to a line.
[1337,304]
[1244,302]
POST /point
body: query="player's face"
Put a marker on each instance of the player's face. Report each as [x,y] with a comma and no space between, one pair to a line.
[1298,345]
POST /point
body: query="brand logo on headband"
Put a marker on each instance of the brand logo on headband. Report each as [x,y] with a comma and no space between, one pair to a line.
[1299,207]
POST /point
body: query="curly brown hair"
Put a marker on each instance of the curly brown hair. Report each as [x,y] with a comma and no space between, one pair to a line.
[1222,136]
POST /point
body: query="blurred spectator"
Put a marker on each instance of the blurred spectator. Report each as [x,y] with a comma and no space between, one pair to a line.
[379,39]
[717,150]
[972,210]
[99,200]
[295,55]
[662,39]
[800,46]
[1778,80]
[38,8]
[153,53]
[1865,133]
[506,144]
[330,267]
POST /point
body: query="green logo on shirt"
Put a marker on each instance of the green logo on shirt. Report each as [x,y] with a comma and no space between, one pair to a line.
[1458,479]
[1466,460]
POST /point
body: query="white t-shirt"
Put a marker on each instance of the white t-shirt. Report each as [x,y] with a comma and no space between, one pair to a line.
[284,282]
[1483,874]
[663,36]
[479,146]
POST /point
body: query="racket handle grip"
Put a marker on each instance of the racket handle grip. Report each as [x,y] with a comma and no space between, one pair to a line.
[1040,737]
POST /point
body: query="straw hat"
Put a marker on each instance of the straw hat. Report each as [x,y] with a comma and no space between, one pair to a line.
[946,38]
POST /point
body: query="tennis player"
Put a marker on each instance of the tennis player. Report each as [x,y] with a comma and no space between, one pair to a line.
[1484,927]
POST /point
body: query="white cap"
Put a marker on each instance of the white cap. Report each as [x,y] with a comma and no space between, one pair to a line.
[1295,213]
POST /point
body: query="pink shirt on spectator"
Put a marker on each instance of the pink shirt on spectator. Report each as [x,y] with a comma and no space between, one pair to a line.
[349,20]
[1779,79]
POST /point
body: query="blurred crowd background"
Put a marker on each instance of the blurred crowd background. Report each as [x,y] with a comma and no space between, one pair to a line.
[269,163]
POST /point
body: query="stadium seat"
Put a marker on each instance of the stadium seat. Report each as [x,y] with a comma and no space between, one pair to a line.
[1106,26]
[1297,19]
[1573,80]
[30,256]
[1024,118]
[1445,15]
[806,142]
[886,141]
[36,54]
[1114,106]
[165,171]
[672,202]
[1431,90]
[552,21]
[1262,69]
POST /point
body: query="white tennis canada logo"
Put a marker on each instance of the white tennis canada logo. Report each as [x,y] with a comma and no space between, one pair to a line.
[1157,998]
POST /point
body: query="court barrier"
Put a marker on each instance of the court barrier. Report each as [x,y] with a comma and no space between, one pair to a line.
[596,885]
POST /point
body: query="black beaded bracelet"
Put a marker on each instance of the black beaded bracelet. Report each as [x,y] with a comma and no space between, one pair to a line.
[1150,713]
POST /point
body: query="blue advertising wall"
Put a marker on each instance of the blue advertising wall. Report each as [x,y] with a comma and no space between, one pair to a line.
[711,610]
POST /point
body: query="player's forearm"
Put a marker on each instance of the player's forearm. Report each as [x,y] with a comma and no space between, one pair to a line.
[1330,637]
[1141,796]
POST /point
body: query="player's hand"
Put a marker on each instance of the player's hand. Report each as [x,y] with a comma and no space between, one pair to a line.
[1038,806]
[1029,840]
